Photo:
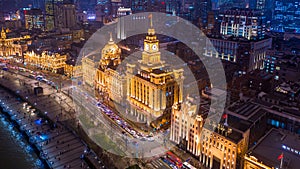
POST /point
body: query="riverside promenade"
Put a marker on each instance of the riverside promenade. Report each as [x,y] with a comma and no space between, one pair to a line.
[59,146]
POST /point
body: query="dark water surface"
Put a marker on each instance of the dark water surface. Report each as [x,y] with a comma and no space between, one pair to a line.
[15,152]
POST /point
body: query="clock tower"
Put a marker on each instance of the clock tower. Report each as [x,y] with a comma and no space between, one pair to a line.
[151,54]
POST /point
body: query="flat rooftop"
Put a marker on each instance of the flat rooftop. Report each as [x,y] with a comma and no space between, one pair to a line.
[238,124]
[246,110]
[235,136]
[273,144]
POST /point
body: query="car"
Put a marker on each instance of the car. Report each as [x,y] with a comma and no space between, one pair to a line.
[118,121]
[150,139]
[39,78]
[32,76]
[44,80]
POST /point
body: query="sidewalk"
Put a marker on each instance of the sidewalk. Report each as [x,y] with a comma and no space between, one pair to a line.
[62,149]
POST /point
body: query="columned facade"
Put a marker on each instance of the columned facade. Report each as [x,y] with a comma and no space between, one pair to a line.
[153,89]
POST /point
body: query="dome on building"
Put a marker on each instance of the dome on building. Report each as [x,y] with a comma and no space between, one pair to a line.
[111,50]
[111,54]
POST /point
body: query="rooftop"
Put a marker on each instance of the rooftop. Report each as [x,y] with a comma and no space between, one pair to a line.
[273,144]
[230,133]
[245,110]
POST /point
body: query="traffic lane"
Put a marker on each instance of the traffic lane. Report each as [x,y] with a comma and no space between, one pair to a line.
[89,105]
[159,164]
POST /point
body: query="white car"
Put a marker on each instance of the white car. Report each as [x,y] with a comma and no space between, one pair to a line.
[150,139]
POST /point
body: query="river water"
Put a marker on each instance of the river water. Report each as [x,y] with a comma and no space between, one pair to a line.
[15,152]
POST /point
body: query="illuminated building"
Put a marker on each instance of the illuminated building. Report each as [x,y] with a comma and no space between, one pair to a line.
[89,68]
[121,34]
[34,19]
[125,28]
[152,88]
[72,70]
[247,23]
[65,15]
[285,16]
[221,148]
[277,149]
[172,6]
[257,4]
[186,126]
[149,89]
[248,54]
[139,5]
[228,4]
[53,62]
[270,63]
[50,13]
[102,10]
[115,5]
[108,80]
[8,47]
[222,144]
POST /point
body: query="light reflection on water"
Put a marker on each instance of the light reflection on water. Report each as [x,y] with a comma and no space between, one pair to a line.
[15,152]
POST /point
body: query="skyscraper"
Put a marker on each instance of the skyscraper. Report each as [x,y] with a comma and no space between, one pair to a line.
[34,19]
[286,16]
[50,12]
[65,15]
[247,23]
[121,34]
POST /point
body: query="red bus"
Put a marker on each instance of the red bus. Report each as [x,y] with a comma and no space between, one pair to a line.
[173,158]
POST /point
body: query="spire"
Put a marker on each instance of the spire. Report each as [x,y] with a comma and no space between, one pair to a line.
[151,22]
[151,30]
[111,41]
[110,36]
[3,34]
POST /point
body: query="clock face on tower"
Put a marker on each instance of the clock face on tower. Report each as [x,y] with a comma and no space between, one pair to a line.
[154,47]
[146,47]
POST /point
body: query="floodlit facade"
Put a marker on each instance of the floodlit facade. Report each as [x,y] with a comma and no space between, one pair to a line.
[53,62]
[186,126]
[152,88]
[89,68]
[248,54]
[8,47]
[148,89]
[73,71]
[219,145]
[108,80]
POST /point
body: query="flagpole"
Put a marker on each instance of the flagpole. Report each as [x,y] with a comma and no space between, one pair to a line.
[281,162]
